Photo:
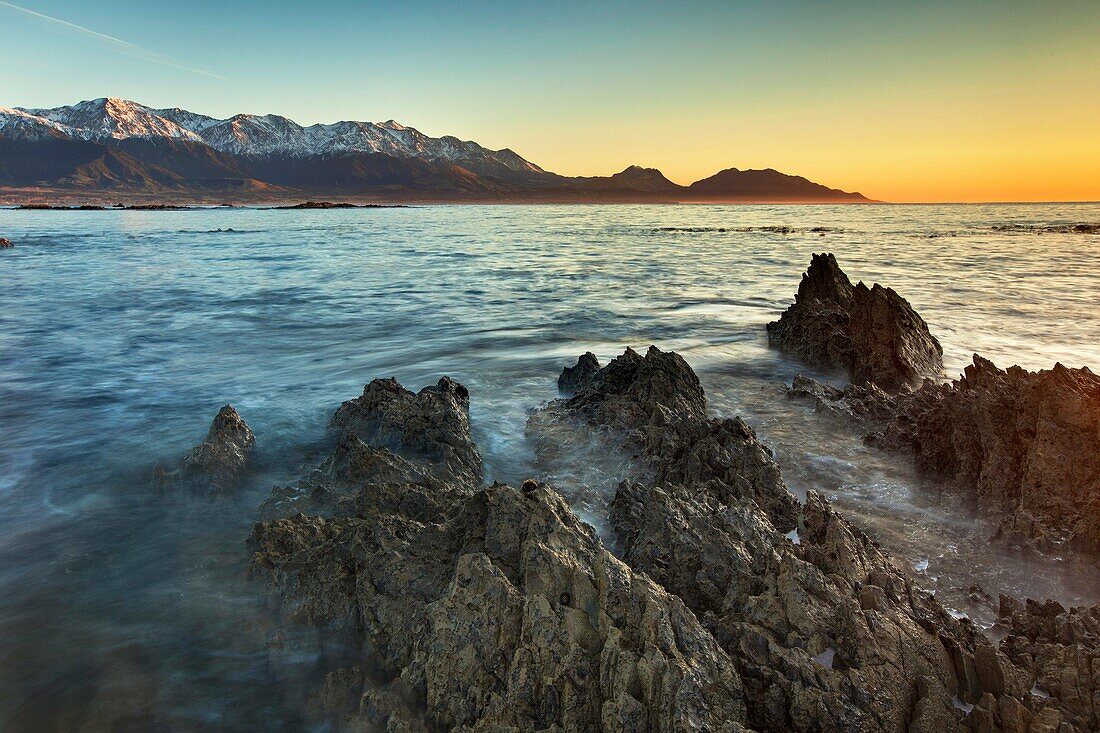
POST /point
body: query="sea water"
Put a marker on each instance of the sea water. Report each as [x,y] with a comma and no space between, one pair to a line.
[123,607]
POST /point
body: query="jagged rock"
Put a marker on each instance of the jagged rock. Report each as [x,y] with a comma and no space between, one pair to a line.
[1021,446]
[352,465]
[1025,446]
[859,402]
[5,243]
[873,333]
[218,463]
[1061,651]
[629,393]
[503,612]
[480,608]
[733,606]
[631,389]
[432,424]
[574,377]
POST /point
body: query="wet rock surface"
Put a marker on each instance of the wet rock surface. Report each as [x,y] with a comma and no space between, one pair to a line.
[1022,446]
[727,605]
[482,608]
[1060,649]
[432,424]
[871,332]
[5,243]
[219,462]
[574,377]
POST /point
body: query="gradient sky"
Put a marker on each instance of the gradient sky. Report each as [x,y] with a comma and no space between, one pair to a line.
[905,101]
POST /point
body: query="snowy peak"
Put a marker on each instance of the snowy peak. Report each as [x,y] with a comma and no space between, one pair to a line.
[110,118]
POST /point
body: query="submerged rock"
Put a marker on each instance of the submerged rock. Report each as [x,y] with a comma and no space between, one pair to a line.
[218,463]
[574,377]
[855,401]
[872,333]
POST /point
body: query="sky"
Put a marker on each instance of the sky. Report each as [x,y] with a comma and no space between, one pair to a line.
[902,101]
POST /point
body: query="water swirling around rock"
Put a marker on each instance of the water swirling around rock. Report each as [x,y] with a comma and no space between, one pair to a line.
[123,333]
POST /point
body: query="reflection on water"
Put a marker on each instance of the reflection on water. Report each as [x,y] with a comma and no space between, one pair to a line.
[122,333]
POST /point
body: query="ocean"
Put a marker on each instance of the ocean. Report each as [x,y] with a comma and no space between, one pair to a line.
[124,607]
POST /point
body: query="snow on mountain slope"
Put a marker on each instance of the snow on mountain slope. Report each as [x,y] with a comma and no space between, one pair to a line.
[111,118]
[16,123]
[253,135]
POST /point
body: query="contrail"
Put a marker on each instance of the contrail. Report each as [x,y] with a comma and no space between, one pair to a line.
[124,46]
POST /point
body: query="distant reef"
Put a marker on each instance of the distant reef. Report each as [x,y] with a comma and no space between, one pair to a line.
[120,148]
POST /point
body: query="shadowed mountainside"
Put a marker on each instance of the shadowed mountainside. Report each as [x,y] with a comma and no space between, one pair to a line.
[124,148]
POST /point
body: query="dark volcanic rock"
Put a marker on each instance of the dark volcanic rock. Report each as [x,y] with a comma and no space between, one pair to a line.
[433,424]
[733,607]
[574,377]
[873,332]
[1061,651]
[1023,446]
[504,613]
[1026,445]
[218,463]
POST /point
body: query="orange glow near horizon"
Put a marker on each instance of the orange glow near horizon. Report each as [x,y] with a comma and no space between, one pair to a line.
[1026,144]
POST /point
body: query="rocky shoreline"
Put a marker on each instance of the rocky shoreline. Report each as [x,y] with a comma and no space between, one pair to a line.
[722,602]
[728,605]
[1020,446]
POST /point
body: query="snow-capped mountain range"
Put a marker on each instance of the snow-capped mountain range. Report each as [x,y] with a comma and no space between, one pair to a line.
[125,148]
[110,118]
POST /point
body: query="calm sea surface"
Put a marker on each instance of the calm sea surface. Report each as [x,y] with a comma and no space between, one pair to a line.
[122,333]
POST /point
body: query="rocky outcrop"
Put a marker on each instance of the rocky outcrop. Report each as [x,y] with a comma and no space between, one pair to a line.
[1025,445]
[1022,446]
[728,605]
[432,425]
[633,390]
[504,613]
[219,462]
[860,402]
[574,377]
[5,243]
[1060,650]
[817,620]
[872,333]
[481,608]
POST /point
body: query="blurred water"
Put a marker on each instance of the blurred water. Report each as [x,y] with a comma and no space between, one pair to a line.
[122,333]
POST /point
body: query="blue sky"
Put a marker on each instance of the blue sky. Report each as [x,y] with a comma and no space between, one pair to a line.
[905,100]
